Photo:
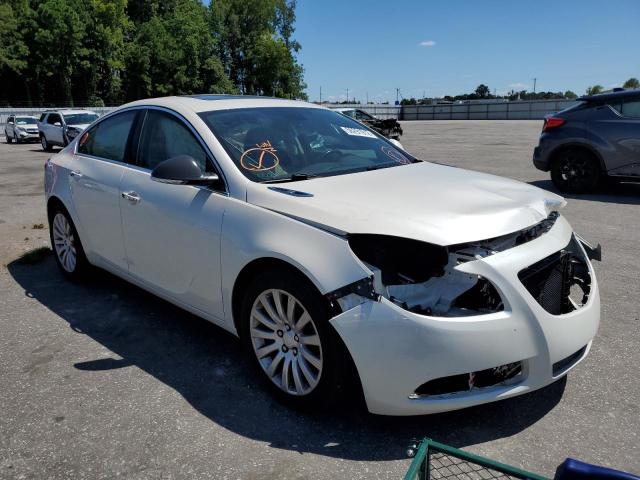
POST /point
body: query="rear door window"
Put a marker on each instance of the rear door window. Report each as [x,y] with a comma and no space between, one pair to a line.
[631,108]
[109,138]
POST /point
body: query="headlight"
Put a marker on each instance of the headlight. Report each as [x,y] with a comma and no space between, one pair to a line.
[20,130]
[423,278]
[72,132]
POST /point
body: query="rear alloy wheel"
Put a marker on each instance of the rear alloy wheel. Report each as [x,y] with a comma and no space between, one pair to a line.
[286,331]
[46,146]
[575,171]
[66,246]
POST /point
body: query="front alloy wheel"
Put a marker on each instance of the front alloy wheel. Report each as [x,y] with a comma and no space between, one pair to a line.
[285,341]
[284,324]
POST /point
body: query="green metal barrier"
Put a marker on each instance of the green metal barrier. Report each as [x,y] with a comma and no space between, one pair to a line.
[435,460]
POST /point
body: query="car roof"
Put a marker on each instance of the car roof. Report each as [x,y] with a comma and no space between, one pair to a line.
[344,109]
[611,96]
[22,116]
[209,102]
[69,111]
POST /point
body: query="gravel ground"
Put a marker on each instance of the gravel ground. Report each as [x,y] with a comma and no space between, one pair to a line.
[104,380]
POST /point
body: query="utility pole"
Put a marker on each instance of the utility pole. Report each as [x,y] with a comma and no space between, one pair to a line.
[320,94]
[534,84]
[367,98]
[347,95]
[397,95]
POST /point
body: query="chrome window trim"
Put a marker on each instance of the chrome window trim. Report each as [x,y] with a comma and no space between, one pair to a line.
[224,191]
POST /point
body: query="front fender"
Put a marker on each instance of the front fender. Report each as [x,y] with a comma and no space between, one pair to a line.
[250,232]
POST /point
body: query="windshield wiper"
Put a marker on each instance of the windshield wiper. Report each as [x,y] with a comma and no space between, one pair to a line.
[294,177]
[383,165]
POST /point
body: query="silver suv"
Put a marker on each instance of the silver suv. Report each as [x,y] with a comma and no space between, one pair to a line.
[60,127]
[20,128]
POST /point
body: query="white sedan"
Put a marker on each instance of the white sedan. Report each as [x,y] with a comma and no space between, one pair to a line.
[339,259]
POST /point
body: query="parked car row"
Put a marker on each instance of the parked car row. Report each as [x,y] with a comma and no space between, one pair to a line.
[54,127]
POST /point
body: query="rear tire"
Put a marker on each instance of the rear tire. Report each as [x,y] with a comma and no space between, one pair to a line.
[575,171]
[46,146]
[66,246]
[285,329]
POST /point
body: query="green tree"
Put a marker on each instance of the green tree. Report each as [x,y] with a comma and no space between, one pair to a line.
[594,89]
[570,94]
[482,91]
[632,83]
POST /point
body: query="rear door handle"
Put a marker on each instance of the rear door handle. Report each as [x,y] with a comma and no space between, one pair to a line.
[131,197]
[75,174]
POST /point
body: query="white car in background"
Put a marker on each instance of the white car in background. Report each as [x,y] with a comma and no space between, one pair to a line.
[60,127]
[339,259]
[20,128]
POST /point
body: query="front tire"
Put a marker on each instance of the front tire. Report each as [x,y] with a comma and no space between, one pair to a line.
[285,329]
[575,171]
[66,246]
[46,146]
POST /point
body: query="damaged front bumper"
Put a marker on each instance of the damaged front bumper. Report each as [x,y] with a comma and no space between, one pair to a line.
[396,352]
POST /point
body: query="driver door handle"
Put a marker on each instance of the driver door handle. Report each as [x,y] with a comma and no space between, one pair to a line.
[75,174]
[131,197]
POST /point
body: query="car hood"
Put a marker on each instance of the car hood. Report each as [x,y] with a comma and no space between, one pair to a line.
[422,201]
[79,126]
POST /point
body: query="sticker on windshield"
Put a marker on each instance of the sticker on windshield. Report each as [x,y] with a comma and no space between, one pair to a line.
[395,155]
[358,132]
[260,158]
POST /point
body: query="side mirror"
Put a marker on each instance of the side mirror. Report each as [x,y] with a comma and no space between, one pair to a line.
[182,170]
[396,143]
[10,123]
[57,124]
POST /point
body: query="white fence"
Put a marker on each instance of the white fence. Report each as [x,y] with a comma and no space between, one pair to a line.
[519,110]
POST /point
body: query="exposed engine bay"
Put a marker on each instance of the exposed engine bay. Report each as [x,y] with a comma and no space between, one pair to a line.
[422,278]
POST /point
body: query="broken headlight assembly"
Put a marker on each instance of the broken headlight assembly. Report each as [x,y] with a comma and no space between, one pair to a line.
[422,278]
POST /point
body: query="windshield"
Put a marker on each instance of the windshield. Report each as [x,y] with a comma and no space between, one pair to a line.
[26,121]
[276,144]
[79,118]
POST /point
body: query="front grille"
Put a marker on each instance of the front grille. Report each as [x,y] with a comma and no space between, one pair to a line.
[560,282]
[509,373]
[567,362]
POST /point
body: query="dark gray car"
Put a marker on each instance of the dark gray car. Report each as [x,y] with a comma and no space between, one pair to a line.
[597,138]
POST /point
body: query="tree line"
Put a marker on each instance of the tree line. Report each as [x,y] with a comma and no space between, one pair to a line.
[483,92]
[106,52]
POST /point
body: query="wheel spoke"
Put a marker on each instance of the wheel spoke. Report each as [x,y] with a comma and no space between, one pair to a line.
[257,333]
[311,358]
[304,368]
[274,364]
[302,321]
[277,300]
[310,340]
[285,373]
[264,319]
[291,307]
[295,370]
[267,349]
[266,304]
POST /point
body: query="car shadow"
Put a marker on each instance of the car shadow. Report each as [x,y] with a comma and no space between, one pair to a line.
[207,366]
[625,193]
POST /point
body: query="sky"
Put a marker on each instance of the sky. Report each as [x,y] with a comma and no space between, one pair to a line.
[449,47]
